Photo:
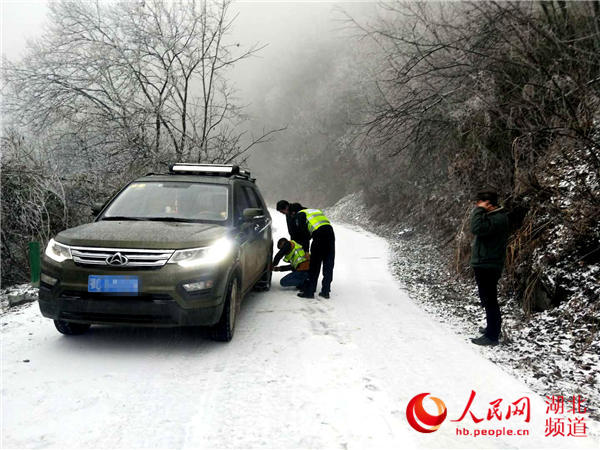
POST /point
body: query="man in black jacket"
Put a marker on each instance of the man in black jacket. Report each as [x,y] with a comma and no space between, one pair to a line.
[322,250]
[301,236]
[489,224]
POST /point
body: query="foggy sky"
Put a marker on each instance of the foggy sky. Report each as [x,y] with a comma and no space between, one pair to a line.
[292,33]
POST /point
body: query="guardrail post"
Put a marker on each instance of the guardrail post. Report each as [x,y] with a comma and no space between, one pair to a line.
[35,263]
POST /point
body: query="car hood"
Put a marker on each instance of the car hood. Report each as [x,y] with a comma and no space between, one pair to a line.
[142,234]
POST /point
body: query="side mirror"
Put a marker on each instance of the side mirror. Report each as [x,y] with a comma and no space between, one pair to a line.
[251,214]
[97,207]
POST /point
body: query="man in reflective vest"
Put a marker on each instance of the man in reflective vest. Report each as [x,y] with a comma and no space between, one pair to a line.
[300,236]
[322,250]
[293,253]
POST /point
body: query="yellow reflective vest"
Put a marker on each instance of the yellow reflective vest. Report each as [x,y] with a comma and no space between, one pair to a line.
[315,219]
[296,256]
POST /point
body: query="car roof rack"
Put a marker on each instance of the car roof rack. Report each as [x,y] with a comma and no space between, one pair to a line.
[245,174]
[219,170]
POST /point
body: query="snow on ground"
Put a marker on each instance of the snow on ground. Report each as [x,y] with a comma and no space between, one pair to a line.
[299,373]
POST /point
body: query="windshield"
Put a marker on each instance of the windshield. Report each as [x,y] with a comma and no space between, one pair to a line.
[170,201]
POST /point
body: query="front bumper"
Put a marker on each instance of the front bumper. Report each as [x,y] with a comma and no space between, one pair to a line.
[161,301]
[150,310]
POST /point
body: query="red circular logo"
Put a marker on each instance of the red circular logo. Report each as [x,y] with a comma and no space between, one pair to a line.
[420,419]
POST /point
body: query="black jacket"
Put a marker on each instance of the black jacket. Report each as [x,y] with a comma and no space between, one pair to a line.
[298,233]
[491,238]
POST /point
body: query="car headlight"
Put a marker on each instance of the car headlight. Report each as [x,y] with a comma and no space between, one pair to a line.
[212,254]
[58,252]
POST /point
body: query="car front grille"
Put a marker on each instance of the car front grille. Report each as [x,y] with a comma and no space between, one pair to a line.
[120,257]
[157,319]
[96,296]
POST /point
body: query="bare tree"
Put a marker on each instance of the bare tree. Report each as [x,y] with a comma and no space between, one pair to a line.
[448,62]
[142,82]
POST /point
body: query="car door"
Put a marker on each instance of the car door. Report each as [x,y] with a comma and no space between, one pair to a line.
[262,227]
[257,227]
[252,253]
[244,236]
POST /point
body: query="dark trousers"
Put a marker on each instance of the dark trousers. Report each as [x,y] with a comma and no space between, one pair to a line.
[294,279]
[322,251]
[487,284]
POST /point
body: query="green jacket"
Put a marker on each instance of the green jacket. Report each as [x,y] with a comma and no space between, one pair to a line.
[491,237]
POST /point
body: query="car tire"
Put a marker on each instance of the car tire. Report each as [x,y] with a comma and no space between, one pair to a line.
[71,328]
[223,330]
[264,284]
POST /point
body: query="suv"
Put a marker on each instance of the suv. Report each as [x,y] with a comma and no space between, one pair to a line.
[176,249]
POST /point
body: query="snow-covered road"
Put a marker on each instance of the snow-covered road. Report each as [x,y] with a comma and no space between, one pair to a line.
[298,374]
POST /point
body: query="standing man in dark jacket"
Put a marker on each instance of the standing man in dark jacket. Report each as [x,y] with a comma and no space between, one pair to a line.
[322,250]
[302,237]
[489,224]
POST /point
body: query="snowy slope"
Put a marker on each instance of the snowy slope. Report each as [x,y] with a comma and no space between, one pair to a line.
[298,374]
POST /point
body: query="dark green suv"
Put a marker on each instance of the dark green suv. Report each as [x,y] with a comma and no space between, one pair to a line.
[176,249]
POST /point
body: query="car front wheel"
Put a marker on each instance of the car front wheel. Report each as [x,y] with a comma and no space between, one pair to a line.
[223,331]
[71,328]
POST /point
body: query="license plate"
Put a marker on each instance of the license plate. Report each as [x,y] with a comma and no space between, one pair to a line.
[113,283]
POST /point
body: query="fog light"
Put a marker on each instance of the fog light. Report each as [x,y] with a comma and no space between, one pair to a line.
[48,279]
[198,286]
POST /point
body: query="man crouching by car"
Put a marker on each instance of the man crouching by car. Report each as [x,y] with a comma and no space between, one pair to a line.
[299,260]
[489,224]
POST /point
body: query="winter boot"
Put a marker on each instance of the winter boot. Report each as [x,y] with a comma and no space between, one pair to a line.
[484,340]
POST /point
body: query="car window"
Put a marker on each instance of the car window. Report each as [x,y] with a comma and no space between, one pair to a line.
[171,200]
[261,203]
[241,202]
[252,197]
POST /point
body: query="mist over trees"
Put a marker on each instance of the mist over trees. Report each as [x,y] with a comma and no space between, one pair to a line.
[321,97]
[149,75]
[434,101]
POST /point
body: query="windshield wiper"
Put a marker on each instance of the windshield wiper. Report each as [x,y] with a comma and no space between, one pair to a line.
[169,219]
[122,218]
